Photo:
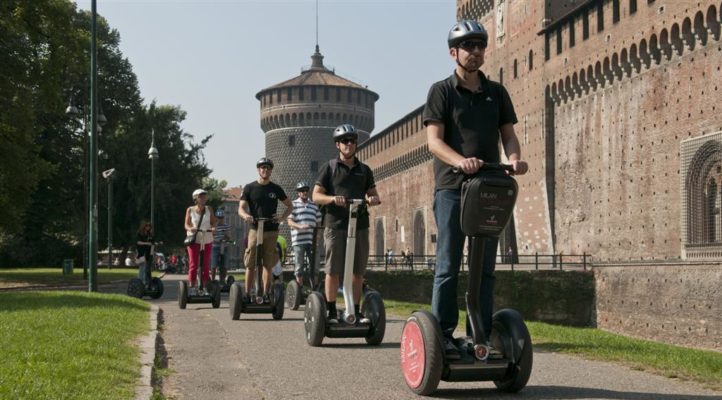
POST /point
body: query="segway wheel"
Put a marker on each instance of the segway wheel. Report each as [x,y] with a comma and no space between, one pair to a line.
[235,301]
[182,294]
[215,290]
[511,336]
[136,288]
[314,319]
[422,353]
[156,288]
[373,308]
[278,300]
[229,280]
[293,295]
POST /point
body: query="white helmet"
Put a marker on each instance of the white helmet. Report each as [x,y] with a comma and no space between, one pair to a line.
[198,192]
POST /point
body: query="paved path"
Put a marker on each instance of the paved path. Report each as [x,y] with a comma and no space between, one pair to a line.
[256,357]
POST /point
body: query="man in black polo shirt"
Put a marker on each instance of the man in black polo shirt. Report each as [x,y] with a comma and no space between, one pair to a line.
[344,178]
[466,116]
[260,200]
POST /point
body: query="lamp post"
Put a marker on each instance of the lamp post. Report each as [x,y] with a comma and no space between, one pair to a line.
[108,175]
[152,156]
[81,115]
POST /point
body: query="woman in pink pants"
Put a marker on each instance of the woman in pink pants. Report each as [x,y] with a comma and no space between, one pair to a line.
[200,220]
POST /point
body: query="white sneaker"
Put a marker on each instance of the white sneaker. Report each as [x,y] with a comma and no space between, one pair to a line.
[361,319]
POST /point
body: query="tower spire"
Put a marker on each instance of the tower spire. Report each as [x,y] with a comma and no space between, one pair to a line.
[317,58]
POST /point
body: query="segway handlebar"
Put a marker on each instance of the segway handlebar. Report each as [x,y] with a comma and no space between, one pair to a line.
[360,202]
[488,166]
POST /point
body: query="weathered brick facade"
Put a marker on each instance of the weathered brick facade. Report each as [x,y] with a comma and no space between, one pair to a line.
[605,92]
[617,102]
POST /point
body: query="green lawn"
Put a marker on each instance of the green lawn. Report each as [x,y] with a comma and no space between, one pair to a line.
[54,276]
[667,360]
[69,345]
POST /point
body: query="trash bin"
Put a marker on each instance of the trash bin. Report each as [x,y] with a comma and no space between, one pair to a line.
[68,266]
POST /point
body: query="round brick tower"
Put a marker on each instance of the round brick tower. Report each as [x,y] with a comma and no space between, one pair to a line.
[299,115]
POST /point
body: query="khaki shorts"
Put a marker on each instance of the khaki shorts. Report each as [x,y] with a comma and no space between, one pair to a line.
[269,256]
[335,240]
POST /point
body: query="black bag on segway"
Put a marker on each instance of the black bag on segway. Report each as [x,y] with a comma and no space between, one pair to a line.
[487,203]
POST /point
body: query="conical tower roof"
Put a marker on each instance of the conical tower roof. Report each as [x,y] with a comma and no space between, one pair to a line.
[317,75]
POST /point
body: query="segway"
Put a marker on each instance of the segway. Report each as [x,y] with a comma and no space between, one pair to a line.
[228,282]
[296,293]
[256,302]
[154,286]
[487,202]
[210,294]
[314,318]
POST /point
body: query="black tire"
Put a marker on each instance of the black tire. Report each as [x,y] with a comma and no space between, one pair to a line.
[373,309]
[156,288]
[293,295]
[182,294]
[136,288]
[278,300]
[425,382]
[235,301]
[511,336]
[314,319]
[214,288]
[229,280]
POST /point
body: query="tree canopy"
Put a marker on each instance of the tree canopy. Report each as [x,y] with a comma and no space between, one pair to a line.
[44,68]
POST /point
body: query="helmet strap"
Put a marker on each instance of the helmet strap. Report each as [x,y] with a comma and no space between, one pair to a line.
[461,65]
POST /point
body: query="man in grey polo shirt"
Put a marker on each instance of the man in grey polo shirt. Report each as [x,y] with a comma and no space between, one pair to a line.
[344,178]
[466,116]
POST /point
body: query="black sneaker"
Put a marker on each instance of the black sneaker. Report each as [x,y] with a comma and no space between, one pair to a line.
[451,352]
[332,317]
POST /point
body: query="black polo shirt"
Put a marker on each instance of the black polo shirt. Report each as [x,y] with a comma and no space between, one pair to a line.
[350,182]
[263,202]
[471,122]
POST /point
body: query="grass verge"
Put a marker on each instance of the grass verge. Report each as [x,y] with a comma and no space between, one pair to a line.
[70,345]
[54,276]
[671,361]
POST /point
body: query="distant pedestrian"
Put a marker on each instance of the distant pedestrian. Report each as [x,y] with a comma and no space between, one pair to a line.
[144,244]
[220,240]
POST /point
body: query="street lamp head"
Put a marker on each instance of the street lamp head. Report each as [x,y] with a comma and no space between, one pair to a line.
[108,173]
[152,153]
[72,111]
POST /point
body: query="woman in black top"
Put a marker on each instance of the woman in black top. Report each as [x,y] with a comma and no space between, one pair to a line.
[144,244]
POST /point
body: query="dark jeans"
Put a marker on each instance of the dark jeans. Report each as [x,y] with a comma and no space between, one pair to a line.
[300,252]
[449,252]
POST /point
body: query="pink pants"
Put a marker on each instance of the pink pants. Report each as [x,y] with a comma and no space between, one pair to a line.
[193,258]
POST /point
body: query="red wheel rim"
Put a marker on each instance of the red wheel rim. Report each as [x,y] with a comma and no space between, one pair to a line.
[413,354]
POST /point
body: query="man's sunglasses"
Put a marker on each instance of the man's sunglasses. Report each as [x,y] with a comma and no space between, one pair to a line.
[470,44]
[348,141]
[265,167]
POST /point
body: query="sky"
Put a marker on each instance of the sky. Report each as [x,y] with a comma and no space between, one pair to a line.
[211,57]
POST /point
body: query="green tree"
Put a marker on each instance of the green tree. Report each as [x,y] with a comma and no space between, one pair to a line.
[44,65]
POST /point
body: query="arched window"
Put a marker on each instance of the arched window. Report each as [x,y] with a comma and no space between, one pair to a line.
[702,219]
